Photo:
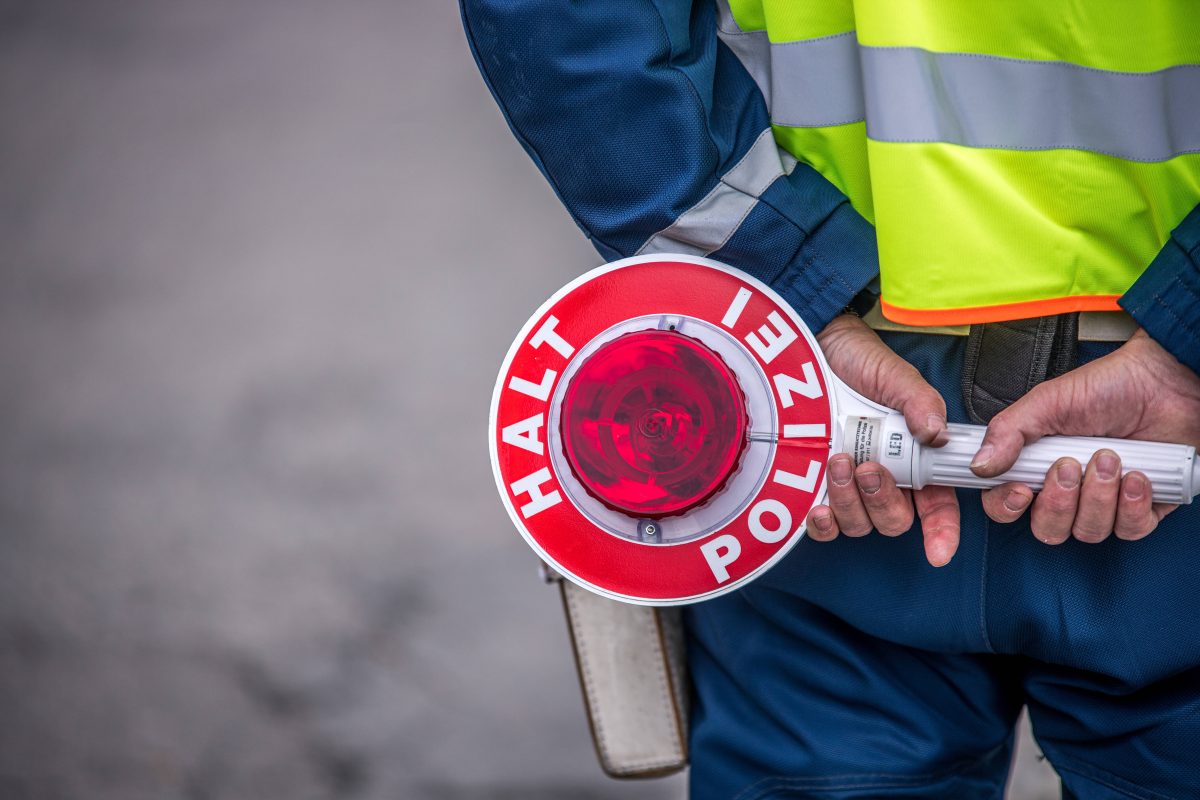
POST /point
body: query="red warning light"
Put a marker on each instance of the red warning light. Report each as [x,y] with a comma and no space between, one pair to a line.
[654,423]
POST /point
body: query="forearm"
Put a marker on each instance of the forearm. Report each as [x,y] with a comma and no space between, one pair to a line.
[657,140]
[1165,300]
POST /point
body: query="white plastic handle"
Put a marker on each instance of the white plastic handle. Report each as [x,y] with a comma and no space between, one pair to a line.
[1172,469]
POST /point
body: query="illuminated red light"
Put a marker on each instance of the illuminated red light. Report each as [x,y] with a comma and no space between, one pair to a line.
[654,423]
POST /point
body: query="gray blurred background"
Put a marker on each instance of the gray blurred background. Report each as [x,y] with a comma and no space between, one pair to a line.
[259,263]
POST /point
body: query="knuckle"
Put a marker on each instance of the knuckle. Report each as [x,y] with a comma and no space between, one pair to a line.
[1133,529]
[844,505]
[999,424]
[857,529]
[893,527]
[1050,538]
[940,508]
[1059,503]
[1130,533]
[893,520]
[1049,531]
[1090,533]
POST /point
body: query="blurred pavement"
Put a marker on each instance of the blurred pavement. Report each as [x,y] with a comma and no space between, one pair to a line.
[259,263]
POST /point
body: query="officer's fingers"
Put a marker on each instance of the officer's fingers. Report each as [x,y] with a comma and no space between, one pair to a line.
[900,385]
[821,524]
[1135,509]
[1098,497]
[1162,509]
[1027,420]
[847,506]
[888,506]
[924,412]
[937,507]
[1054,508]
[1007,502]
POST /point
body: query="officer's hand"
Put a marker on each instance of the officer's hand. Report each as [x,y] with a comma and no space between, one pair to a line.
[867,497]
[1139,391]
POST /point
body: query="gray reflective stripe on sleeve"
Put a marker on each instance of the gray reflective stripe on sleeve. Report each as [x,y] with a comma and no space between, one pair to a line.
[913,95]
[752,48]
[707,226]
[816,82]
[806,84]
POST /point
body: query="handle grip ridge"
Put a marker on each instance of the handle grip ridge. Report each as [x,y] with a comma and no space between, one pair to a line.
[1172,469]
[1169,467]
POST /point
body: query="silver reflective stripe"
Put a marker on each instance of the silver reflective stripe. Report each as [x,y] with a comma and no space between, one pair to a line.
[707,226]
[806,84]
[913,95]
[752,48]
[816,82]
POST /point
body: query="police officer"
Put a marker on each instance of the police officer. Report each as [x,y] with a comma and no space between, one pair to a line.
[1032,172]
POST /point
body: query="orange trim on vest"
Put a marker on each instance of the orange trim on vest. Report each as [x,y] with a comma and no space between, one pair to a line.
[998,313]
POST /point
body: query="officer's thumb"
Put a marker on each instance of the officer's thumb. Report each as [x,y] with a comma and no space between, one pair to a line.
[868,366]
[898,385]
[924,410]
[1024,422]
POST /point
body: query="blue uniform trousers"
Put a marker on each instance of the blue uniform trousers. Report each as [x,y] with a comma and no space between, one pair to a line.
[854,669]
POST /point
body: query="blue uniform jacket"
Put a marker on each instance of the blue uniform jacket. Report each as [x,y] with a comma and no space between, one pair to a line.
[636,113]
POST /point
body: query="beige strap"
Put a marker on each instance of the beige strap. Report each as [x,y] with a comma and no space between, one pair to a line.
[1094,326]
[632,671]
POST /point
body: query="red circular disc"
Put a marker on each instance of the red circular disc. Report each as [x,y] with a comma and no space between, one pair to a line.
[535,448]
[653,423]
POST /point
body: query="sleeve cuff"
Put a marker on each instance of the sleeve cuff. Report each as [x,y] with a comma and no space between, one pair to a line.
[835,262]
[1165,300]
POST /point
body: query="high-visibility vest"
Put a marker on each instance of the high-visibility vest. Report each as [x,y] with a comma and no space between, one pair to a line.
[1018,158]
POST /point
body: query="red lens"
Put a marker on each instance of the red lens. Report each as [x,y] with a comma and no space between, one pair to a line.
[654,423]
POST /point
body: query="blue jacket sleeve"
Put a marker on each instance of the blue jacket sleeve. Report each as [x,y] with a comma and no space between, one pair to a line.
[656,139]
[1165,300]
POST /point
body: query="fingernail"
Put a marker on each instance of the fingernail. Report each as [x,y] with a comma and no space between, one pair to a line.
[1067,474]
[823,521]
[1015,501]
[840,472]
[870,482]
[983,456]
[1135,487]
[1107,465]
[936,424]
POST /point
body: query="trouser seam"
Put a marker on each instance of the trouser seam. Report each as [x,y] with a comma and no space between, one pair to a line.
[983,576]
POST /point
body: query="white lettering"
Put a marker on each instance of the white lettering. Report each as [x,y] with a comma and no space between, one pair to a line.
[720,552]
[804,432]
[546,335]
[774,342]
[524,434]
[736,307]
[786,385]
[805,483]
[782,516]
[538,391]
[531,485]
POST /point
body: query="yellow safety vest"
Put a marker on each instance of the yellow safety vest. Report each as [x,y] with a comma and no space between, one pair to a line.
[1018,158]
